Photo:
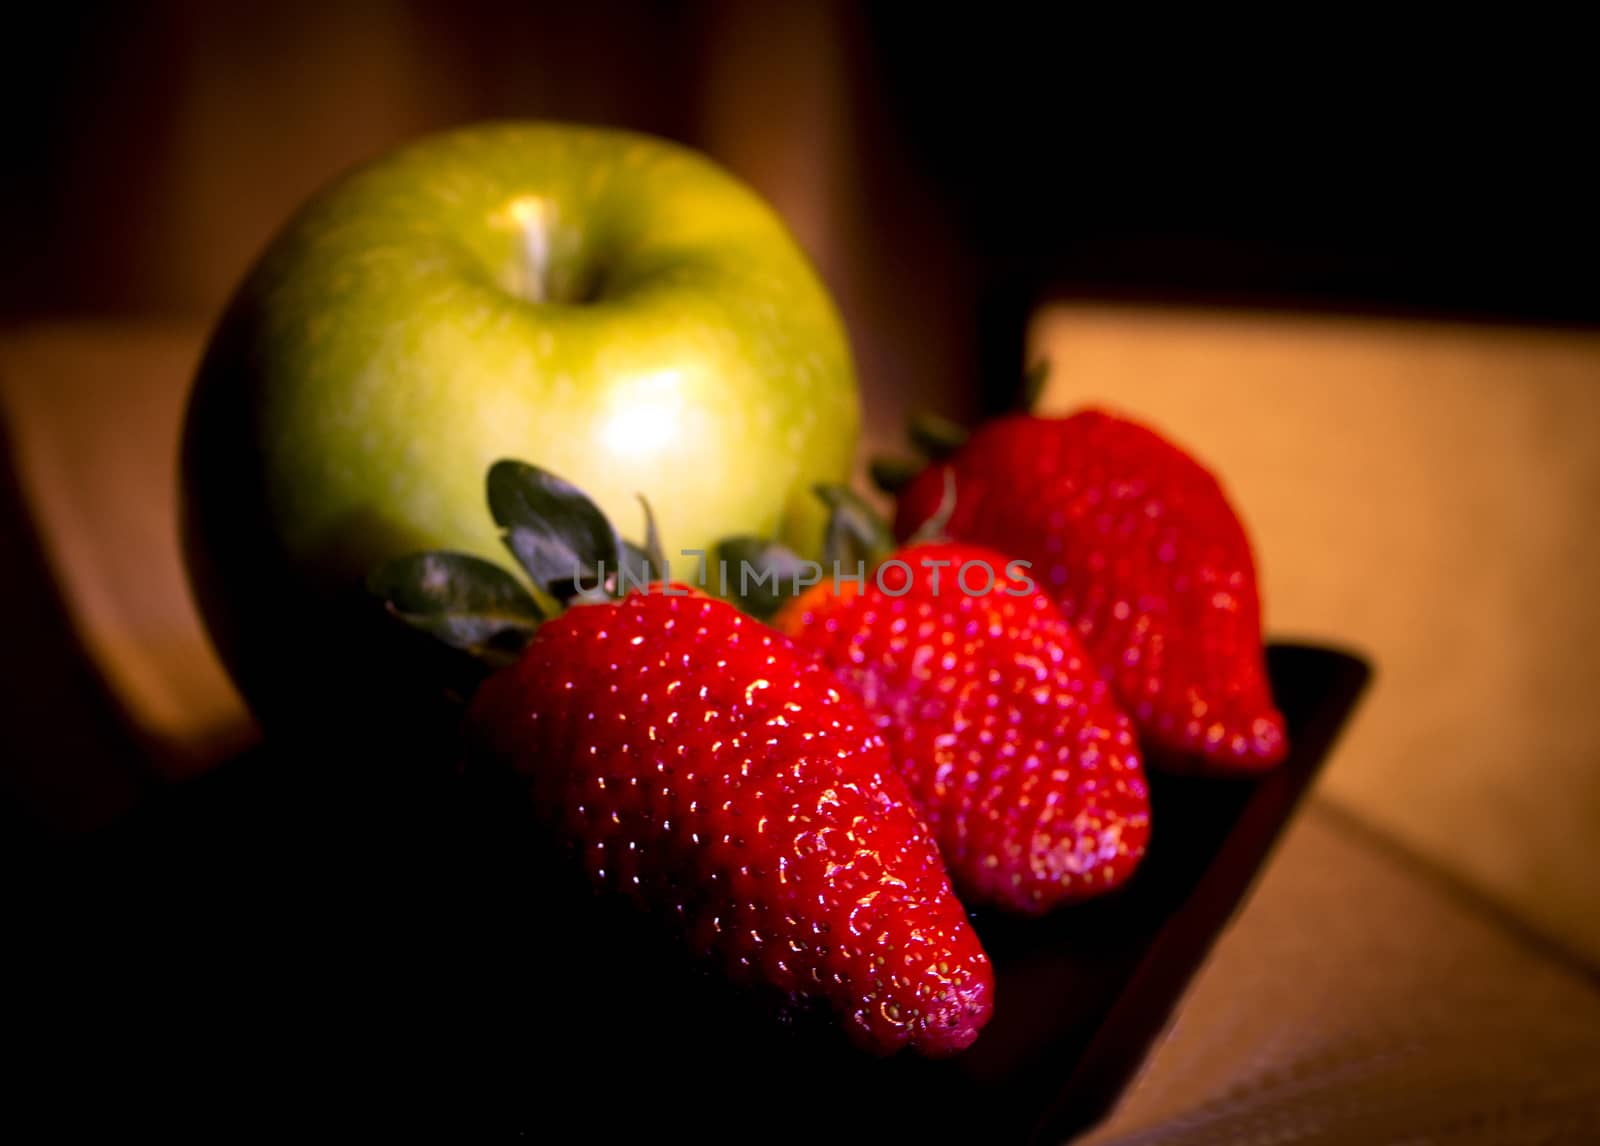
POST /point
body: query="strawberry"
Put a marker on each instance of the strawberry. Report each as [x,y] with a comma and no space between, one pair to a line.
[698,767]
[1025,771]
[1139,546]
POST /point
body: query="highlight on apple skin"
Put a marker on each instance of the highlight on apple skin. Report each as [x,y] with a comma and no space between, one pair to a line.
[613,307]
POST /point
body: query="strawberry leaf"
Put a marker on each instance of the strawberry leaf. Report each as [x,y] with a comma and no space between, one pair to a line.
[933,529]
[652,538]
[1035,379]
[466,602]
[936,436]
[643,564]
[636,565]
[893,474]
[553,530]
[855,531]
[760,574]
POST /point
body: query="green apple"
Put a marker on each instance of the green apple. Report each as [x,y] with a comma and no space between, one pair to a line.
[614,308]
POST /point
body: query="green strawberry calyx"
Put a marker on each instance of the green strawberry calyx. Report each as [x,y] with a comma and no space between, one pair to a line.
[934,437]
[857,539]
[568,549]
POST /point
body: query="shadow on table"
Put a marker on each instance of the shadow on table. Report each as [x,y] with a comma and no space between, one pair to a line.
[373,940]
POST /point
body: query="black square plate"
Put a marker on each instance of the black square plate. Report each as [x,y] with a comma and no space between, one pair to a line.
[285,937]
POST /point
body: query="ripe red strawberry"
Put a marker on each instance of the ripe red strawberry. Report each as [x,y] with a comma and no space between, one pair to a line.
[721,781]
[696,764]
[1025,771]
[1137,542]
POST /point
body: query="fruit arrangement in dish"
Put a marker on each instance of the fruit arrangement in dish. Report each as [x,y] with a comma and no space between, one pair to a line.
[794,801]
[871,783]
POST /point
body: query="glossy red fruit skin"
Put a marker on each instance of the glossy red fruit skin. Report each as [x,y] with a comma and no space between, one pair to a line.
[702,768]
[1149,563]
[1024,769]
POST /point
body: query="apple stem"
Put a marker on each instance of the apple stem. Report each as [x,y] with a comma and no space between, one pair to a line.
[536,247]
[528,218]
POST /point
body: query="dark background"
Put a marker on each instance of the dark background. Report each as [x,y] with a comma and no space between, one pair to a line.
[943,165]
